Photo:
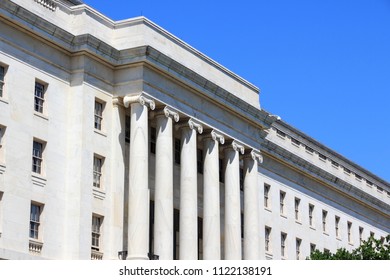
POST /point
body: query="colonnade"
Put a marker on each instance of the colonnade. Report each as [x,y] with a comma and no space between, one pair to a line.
[214,142]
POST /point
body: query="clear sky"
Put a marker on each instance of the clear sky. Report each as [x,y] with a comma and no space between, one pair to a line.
[322,66]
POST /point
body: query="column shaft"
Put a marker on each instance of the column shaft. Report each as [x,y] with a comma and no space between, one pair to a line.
[251,210]
[138,230]
[232,236]
[211,203]
[188,196]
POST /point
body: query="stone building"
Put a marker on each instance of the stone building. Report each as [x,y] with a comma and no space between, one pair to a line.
[118,140]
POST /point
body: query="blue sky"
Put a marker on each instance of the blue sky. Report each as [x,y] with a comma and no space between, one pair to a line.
[323,66]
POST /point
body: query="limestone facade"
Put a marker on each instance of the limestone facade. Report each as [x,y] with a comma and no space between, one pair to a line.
[118,140]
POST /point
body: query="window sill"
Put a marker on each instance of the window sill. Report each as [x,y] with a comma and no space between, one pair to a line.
[311,227]
[40,115]
[2,99]
[325,233]
[2,168]
[269,255]
[298,222]
[323,160]
[100,132]
[338,238]
[96,255]
[283,216]
[294,144]
[35,246]
[268,209]
[98,193]
[38,180]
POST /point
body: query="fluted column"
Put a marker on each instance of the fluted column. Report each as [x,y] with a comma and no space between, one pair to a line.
[188,191]
[232,239]
[251,206]
[163,201]
[211,203]
[138,229]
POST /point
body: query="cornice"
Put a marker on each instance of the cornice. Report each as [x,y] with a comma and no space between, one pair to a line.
[324,176]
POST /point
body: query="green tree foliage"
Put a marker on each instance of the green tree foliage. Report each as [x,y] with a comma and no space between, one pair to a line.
[371,249]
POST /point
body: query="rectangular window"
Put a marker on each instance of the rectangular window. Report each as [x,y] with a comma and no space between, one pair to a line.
[241,179]
[267,239]
[372,234]
[282,197]
[221,175]
[266,195]
[283,238]
[295,141]
[153,140]
[324,217]
[96,231]
[298,243]
[199,160]
[311,211]
[296,206]
[35,215]
[97,171]
[349,229]
[322,157]
[361,231]
[280,133]
[312,247]
[2,132]
[37,157]
[2,74]
[177,150]
[337,226]
[127,128]
[309,150]
[99,106]
[39,97]
[335,164]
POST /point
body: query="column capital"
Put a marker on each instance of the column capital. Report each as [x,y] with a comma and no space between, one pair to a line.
[141,98]
[236,146]
[116,101]
[192,124]
[217,136]
[255,155]
[169,112]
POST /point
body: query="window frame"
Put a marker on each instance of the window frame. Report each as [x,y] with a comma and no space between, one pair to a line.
[267,239]
[283,241]
[98,114]
[297,203]
[298,243]
[337,226]
[40,89]
[38,156]
[282,197]
[96,232]
[267,189]
[3,70]
[97,171]
[311,215]
[35,221]
[324,220]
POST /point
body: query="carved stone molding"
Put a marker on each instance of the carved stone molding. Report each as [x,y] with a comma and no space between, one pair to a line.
[141,98]
[235,145]
[195,125]
[255,155]
[51,5]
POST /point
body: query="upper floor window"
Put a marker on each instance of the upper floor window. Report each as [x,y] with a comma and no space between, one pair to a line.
[311,211]
[280,133]
[153,136]
[324,220]
[37,156]
[2,75]
[39,97]
[312,247]
[337,226]
[2,132]
[296,205]
[361,230]
[177,150]
[283,238]
[349,232]
[267,239]
[298,243]
[99,107]
[282,197]
[266,195]
[96,232]
[97,171]
[35,215]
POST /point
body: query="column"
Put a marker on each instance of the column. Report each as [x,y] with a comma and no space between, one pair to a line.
[251,206]
[163,200]
[138,229]
[232,236]
[211,203]
[188,192]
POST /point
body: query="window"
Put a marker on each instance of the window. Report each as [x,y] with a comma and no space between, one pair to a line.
[311,211]
[266,195]
[312,247]
[295,141]
[296,206]
[2,133]
[361,231]
[99,106]
[199,160]
[37,157]
[337,224]
[96,231]
[358,177]
[2,74]
[322,157]
[280,133]
[97,171]
[282,197]
[335,164]
[298,243]
[177,150]
[309,150]
[221,175]
[1,210]
[35,215]
[324,217]
[241,179]
[347,171]
[127,128]
[267,239]
[39,97]
[153,140]
[283,238]
[349,229]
